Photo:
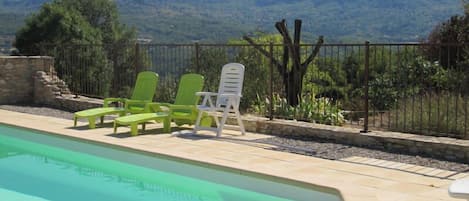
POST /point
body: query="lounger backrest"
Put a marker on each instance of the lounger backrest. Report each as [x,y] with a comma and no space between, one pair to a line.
[188,86]
[145,86]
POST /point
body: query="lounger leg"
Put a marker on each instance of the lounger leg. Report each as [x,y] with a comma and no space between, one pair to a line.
[115,127]
[74,121]
[102,119]
[143,126]
[134,129]
[92,122]
[167,124]
[206,121]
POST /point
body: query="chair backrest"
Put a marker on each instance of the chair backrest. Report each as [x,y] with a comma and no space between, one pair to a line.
[145,86]
[188,86]
[231,82]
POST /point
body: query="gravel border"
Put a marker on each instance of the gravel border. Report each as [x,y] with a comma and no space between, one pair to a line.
[335,151]
[303,145]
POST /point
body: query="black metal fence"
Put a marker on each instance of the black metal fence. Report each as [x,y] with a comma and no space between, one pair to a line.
[415,88]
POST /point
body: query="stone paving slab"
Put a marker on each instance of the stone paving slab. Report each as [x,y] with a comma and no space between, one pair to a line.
[354,181]
[426,171]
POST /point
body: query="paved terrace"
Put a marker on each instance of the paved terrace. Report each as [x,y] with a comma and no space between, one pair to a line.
[355,180]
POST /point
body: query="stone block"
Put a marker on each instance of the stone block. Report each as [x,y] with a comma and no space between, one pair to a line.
[9,66]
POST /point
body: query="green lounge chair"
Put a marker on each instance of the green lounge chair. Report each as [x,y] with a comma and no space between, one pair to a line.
[143,93]
[183,111]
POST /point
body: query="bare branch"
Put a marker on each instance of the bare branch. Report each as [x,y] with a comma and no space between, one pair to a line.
[311,57]
[286,56]
[281,69]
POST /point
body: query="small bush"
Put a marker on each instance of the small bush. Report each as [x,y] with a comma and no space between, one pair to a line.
[310,109]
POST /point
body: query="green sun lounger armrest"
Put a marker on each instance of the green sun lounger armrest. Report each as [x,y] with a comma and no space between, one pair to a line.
[136,103]
[191,108]
[187,114]
[155,107]
[110,100]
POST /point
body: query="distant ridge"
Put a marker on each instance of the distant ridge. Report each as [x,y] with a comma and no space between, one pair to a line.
[183,21]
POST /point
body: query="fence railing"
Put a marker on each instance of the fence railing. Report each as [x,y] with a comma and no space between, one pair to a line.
[408,87]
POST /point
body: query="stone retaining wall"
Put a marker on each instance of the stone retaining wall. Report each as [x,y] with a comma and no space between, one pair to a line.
[16,77]
[32,80]
[437,147]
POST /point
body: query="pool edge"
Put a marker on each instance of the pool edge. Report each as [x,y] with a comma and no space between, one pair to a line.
[179,158]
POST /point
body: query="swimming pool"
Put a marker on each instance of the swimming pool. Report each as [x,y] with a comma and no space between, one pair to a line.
[36,166]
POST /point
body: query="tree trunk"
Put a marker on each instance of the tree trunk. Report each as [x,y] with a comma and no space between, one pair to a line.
[293,77]
[293,87]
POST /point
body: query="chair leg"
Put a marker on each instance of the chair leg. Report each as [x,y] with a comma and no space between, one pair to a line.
[134,129]
[240,122]
[197,122]
[206,121]
[143,126]
[167,124]
[102,119]
[75,121]
[115,127]
[222,123]
[92,122]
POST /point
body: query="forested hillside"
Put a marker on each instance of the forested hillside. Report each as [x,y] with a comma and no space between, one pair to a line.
[183,21]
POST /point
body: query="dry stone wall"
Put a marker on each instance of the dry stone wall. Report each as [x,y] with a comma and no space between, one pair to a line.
[437,147]
[32,80]
[16,77]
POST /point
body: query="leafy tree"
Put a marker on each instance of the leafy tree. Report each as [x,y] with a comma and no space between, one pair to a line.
[450,34]
[88,34]
[54,24]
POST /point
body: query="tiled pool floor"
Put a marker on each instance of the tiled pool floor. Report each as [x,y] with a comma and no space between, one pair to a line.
[358,179]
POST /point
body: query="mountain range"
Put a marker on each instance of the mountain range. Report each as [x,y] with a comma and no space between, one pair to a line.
[186,21]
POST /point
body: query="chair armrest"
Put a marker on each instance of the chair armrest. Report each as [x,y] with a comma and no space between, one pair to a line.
[110,100]
[230,96]
[135,102]
[183,107]
[192,108]
[155,107]
[152,107]
[203,93]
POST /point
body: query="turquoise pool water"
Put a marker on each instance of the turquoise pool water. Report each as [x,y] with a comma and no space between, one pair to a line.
[39,167]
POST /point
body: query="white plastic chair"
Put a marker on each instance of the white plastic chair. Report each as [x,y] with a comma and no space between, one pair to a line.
[459,189]
[227,99]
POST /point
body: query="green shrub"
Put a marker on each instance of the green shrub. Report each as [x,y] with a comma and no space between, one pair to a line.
[320,110]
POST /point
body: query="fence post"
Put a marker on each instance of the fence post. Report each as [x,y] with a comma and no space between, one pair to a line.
[138,67]
[366,87]
[271,91]
[197,66]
